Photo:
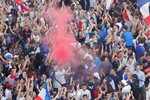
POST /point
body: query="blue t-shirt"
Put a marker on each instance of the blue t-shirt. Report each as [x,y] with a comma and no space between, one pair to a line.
[103,32]
[128,38]
[124,76]
[97,62]
[139,51]
[44,48]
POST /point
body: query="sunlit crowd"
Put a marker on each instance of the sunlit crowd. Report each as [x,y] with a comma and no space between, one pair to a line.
[114,38]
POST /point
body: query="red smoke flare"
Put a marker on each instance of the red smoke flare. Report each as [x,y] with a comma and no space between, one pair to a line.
[61,39]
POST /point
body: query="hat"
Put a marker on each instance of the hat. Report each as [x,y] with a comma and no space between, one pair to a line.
[8,56]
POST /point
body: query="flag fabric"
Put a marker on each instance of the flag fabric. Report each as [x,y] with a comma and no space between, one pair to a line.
[141,2]
[145,10]
[37,98]
[44,94]
[47,96]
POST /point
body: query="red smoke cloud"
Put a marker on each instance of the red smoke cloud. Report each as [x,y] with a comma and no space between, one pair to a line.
[61,38]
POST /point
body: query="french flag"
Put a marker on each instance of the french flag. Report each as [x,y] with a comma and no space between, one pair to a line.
[145,10]
[43,95]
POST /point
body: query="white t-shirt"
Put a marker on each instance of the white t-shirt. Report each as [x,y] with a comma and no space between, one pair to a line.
[92,3]
[141,77]
[81,93]
[126,89]
[60,76]
[148,93]
[8,93]
[3,98]
[20,98]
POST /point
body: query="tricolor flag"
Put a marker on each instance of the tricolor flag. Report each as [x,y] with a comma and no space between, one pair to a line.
[43,95]
[145,10]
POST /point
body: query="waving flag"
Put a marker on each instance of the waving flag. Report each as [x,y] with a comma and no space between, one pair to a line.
[145,10]
[44,94]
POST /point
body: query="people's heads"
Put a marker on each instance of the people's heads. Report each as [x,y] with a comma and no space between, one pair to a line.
[125,5]
[24,75]
[113,72]
[127,71]
[116,28]
[55,91]
[120,54]
[85,97]
[84,86]
[26,27]
[44,77]
[139,66]
[92,20]
[105,58]
[21,94]
[82,13]
[13,71]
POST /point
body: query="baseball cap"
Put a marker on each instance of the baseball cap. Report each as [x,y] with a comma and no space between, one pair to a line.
[8,56]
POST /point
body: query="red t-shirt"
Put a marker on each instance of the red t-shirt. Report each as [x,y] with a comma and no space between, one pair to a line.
[80,25]
[95,93]
[125,15]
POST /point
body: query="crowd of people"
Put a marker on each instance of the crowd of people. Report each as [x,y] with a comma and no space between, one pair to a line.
[113,36]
